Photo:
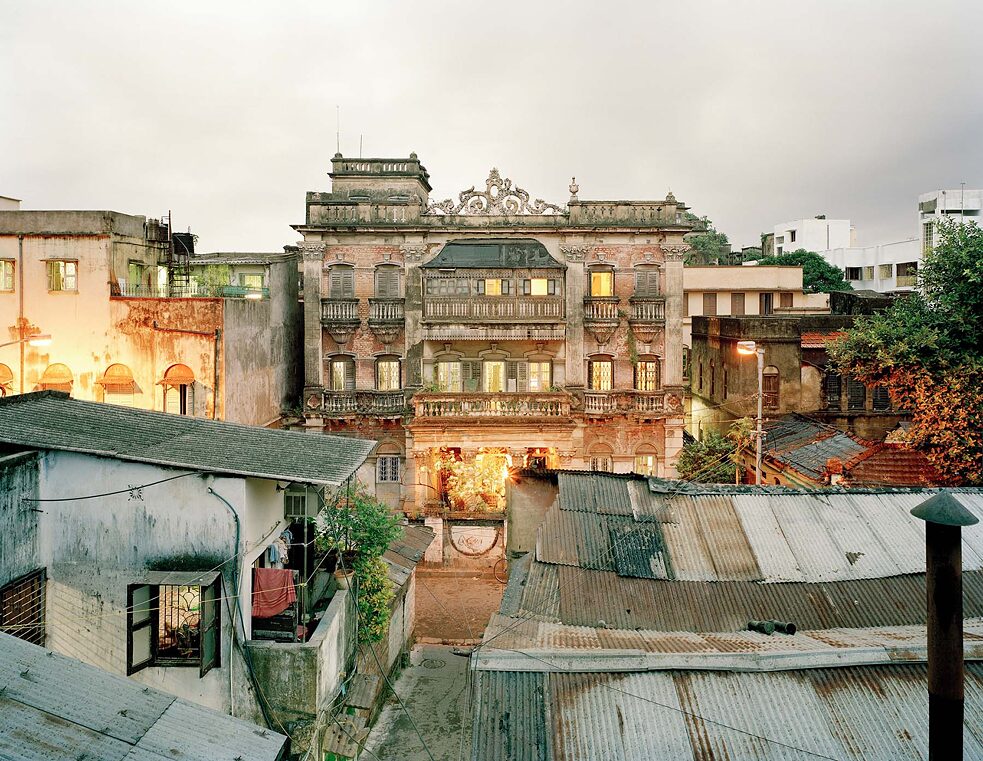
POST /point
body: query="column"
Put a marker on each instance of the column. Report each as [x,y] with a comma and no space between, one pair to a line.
[313,256]
[575,254]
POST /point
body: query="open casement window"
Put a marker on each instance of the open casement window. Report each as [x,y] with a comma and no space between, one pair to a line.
[647,282]
[342,374]
[602,282]
[493,287]
[471,375]
[494,376]
[341,283]
[179,390]
[647,374]
[766,303]
[63,275]
[600,374]
[387,282]
[174,619]
[540,286]
[770,385]
[601,463]
[449,377]
[646,462]
[540,376]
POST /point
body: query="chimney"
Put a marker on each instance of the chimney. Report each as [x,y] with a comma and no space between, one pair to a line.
[834,470]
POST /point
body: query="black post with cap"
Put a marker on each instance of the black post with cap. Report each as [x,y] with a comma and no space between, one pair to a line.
[945,516]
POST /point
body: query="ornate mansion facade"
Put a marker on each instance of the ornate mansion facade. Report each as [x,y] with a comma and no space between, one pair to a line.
[495,329]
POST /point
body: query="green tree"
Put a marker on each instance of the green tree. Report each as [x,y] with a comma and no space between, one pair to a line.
[707,246]
[927,350]
[708,461]
[818,275]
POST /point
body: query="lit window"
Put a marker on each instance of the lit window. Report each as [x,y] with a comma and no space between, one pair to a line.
[538,286]
[646,464]
[493,287]
[647,375]
[63,275]
[602,283]
[6,274]
[387,375]
[601,374]
[251,281]
[539,376]
[494,376]
[449,377]
[174,624]
[387,469]
[342,374]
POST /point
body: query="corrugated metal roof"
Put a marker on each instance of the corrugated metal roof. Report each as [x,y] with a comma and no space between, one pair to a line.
[806,445]
[584,492]
[863,712]
[53,420]
[53,708]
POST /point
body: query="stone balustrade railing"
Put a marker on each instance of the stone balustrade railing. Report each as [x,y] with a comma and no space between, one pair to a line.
[445,308]
[386,310]
[648,309]
[339,310]
[426,405]
[363,402]
[602,308]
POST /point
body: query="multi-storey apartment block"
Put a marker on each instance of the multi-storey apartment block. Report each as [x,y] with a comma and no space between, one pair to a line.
[494,328]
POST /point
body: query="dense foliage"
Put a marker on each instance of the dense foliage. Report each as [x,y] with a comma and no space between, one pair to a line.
[359,528]
[707,461]
[818,275]
[927,349]
[707,246]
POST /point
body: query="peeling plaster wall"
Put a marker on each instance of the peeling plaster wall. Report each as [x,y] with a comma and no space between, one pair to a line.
[18,520]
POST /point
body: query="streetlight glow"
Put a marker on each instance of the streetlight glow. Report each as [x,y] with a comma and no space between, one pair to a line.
[42,339]
[747,347]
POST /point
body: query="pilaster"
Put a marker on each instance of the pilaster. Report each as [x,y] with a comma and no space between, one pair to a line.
[313,263]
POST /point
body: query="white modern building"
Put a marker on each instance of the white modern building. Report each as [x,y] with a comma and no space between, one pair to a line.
[958,204]
[815,234]
[886,267]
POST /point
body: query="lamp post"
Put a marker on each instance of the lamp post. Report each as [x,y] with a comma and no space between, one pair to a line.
[944,516]
[748,348]
[41,339]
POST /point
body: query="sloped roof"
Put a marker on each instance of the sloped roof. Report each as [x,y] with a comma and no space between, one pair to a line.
[403,554]
[890,465]
[494,253]
[818,340]
[805,445]
[60,709]
[53,420]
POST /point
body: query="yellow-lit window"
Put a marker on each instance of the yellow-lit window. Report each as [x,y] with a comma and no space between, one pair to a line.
[539,376]
[388,374]
[493,287]
[494,377]
[449,376]
[538,286]
[602,283]
[601,375]
[646,464]
[647,375]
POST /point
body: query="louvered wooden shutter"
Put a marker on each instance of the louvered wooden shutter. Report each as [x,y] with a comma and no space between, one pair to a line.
[349,375]
[647,282]
[342,284]
[471,374]
[518,371]
[387,282]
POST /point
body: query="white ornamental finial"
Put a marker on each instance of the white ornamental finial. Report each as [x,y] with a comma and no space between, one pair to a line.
[574,188]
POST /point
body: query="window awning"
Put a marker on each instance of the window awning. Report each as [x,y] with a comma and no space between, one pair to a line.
[117,378]
[56,374]
[178,578]
[177,375]
[6,375]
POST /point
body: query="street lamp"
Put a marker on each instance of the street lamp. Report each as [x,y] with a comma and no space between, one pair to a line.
[41,339]
[748,348]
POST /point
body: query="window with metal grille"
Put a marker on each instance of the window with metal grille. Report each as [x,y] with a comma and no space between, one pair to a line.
[387,374]
[341,282]
[174,624]
[770,387]
[881,399]
[601,374]
[63,275]
[834,388]
[387,469]
[6,274]
[342,374]
[22,607]
[647,375]
[928,239]
[601,463]
[886,271]
[856,395]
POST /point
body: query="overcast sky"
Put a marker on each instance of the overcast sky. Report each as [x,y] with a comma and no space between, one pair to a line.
[753,113]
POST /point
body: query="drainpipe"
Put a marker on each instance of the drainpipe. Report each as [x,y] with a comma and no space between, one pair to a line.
[20,307]
[235,595]
[944,516]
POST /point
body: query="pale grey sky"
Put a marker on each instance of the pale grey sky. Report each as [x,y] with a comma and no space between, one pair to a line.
[751,112]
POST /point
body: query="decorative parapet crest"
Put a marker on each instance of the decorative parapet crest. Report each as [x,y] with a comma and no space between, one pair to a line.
[413,252]
[675,253]
[312,252]
[500,198]
[574,252]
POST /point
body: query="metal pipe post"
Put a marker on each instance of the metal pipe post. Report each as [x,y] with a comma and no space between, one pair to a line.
[943,550]
[759,434]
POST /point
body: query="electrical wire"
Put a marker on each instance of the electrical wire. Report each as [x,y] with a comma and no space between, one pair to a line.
[682,711]
[111,493]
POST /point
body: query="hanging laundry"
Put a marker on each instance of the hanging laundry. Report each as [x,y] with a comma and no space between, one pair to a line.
[273,591]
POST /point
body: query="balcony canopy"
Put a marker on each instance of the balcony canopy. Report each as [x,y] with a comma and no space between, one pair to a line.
[510,253]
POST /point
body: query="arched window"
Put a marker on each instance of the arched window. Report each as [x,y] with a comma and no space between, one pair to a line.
[600,372]
[387,281]
[647,460]
[646,282]
[648,376]
[6,380]
[341,373]
[770,387]
[341,282]
[600,458]
[601,282]
[179,390]
[387,376]
[56,377]
[118,385]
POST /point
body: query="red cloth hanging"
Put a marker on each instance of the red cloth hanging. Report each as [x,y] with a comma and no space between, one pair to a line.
[273,591]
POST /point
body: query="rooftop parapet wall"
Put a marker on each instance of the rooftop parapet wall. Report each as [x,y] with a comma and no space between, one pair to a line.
[40,222]
[772,329]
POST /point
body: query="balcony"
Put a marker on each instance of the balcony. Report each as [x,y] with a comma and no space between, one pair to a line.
[602,316]
[648,316]
[493,308]
[600,402]
[386,318]
[496,406]
[649,403]
[642,403]
[372,403]
[340,317]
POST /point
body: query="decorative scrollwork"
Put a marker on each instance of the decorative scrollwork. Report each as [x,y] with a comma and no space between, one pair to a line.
[674,253]
[312,252]
[413,252]
[574,252]
[500,198]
